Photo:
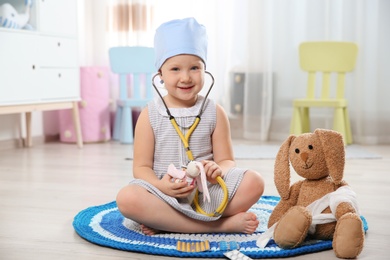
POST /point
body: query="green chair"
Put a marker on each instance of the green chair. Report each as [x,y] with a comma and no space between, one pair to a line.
[325,58]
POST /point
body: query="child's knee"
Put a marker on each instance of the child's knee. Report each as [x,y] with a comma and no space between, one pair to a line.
[255,182]
[124,199]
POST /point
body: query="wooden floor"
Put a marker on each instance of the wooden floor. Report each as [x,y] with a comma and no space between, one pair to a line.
[43,187]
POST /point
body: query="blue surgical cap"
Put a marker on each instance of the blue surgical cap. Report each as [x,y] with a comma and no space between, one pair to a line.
[181,36]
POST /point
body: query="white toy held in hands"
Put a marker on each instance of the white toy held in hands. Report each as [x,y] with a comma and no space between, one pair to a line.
[193,175]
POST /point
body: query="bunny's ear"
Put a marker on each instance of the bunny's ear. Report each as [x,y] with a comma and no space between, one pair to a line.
[175,173]
[201,180]
[282,169]
[334,152]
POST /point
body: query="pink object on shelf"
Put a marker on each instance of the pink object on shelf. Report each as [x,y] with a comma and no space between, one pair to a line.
[94,108]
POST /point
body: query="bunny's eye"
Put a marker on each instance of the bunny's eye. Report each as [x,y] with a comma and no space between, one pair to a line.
[310,147]
[297,150]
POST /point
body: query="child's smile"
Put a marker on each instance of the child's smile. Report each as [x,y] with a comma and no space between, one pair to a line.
[186,88]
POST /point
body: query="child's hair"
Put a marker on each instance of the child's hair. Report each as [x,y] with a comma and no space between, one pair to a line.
[181,36]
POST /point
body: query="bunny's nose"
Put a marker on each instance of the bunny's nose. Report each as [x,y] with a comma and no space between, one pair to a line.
[304,156]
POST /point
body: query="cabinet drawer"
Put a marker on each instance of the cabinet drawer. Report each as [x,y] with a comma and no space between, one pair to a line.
[60,83]
[19,70]
[58,52]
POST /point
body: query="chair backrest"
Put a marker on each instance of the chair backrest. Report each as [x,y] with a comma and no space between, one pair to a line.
[134,61]
[327,57]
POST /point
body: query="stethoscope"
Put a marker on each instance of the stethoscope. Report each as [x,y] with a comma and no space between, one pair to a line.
[185,140]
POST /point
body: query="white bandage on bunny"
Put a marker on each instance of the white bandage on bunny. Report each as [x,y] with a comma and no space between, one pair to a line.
[193,175]
[333,199]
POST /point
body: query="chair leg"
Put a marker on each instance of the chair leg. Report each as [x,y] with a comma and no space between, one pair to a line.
[126,136]
[117,124]
[305,117]
[339,123]
[347,127]
[296,122]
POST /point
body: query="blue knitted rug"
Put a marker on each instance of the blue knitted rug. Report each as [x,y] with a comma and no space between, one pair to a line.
[105,226]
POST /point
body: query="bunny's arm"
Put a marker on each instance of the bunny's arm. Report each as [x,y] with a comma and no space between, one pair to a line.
[285,204]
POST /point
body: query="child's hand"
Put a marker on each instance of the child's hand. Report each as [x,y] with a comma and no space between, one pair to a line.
[175,189]
[212,170]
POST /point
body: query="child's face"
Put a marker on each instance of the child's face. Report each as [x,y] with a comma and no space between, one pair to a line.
[183,77]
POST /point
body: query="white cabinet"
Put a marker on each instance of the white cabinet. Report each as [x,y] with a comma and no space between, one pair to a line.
[41,65]
[39,68]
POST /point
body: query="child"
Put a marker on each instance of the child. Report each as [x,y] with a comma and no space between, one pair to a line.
[152,198]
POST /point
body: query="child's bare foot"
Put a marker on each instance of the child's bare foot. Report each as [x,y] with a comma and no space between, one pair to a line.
[244,222]
[149,231]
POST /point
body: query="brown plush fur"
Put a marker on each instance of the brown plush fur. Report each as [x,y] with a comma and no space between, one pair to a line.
[319,159]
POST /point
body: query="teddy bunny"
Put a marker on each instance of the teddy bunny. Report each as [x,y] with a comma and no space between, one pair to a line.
[193,174]
[319,206]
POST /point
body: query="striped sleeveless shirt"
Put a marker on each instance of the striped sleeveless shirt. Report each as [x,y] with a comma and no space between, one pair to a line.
[169,149]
